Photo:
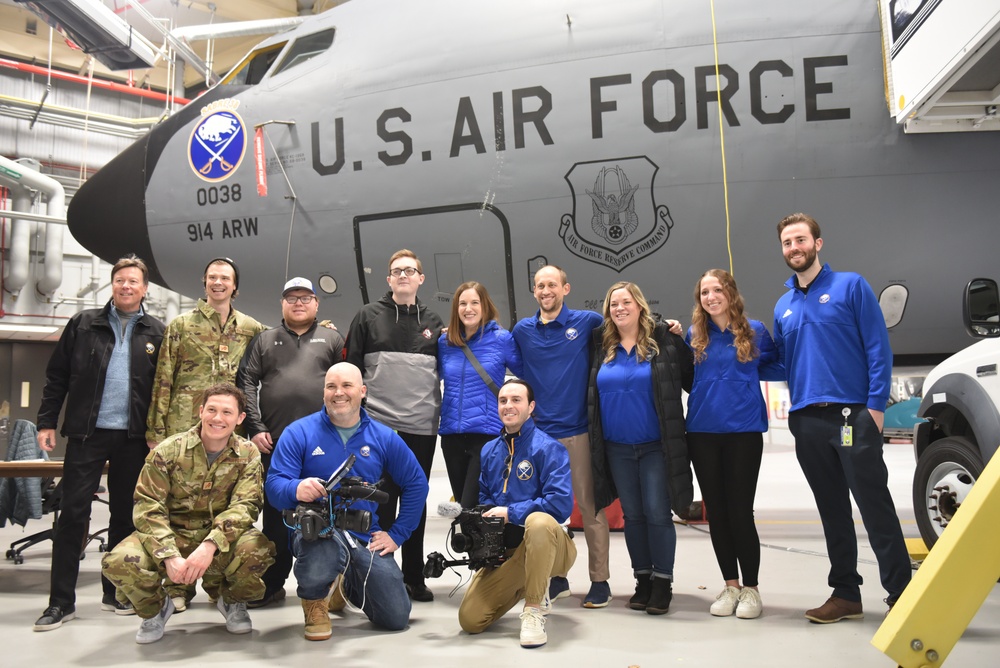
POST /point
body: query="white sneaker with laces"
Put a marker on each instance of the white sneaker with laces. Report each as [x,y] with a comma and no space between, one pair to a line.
[533,628]
[151,629]
[546,605]
[237,619]
[750,605]
[726,602]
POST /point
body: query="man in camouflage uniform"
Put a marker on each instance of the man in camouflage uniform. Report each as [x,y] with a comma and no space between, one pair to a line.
[196,500]
[200,348]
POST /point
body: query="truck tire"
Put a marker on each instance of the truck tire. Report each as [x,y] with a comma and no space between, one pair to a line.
[943,478]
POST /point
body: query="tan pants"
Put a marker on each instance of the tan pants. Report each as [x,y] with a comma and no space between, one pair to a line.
[547,550]
[595,525]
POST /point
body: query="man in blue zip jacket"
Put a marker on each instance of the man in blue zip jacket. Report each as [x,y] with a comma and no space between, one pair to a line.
[526,478]
[831,337]
[308,451]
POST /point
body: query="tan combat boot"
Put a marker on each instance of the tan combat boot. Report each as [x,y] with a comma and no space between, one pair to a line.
[317,621]
[337,600]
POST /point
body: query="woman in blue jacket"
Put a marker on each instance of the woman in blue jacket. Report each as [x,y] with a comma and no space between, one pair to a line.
[725,420]
[469,415]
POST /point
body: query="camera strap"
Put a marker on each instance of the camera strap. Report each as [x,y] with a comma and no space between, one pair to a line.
[480,370]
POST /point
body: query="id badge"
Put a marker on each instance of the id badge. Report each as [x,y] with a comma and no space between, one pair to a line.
[847,436]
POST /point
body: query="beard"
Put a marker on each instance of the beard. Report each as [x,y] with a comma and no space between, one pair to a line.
[805,263]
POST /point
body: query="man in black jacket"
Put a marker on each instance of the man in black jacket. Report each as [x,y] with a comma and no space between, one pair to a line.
[282,373]
[394,343]
[103,368]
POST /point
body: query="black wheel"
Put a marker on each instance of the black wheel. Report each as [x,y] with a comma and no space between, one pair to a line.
[944,476]
[101,547]
[18,559]
[10,554]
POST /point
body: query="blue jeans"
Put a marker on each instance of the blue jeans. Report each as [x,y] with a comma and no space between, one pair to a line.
[372,583]
[640,475]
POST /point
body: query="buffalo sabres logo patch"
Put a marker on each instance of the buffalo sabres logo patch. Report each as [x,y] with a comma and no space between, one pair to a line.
[428,333]
[572,333]
[625,224]
[525,470]
[150,349]
[365,451]
[824,299]
[218,141]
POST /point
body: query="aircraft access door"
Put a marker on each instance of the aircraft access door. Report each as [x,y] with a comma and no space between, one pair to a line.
[463,242]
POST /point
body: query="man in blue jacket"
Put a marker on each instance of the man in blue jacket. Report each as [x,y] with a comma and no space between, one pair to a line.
[832,339]
[307,453]
[525,477]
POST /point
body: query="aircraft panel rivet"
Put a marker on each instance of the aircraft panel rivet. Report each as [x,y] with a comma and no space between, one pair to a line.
[916,645]
[932,656]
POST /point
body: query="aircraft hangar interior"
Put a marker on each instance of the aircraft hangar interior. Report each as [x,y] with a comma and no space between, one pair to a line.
[637,140]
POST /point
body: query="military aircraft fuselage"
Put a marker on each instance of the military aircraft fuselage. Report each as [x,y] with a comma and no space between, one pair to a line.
[494,138]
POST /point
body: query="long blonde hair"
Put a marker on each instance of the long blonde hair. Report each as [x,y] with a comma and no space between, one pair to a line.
[645,345]
[738,324]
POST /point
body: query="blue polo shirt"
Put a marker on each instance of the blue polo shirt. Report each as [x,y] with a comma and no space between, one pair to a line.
[556,358]
[628,412]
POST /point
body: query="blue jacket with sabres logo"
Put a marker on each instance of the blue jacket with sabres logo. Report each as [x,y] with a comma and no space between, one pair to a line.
[312,448]
[833,342]
[539,479]
[556,357]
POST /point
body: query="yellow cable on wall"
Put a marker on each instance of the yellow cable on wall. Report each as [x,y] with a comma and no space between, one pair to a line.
[722,139]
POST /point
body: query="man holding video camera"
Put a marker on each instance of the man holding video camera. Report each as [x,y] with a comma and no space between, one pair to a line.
[526,478]
[307,453]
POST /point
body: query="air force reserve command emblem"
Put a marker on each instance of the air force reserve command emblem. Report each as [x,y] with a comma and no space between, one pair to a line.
[218,141]
[615,220]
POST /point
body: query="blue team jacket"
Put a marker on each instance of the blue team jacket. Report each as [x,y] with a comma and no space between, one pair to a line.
[725,397]
[833,342]
[312,447]
[539,478]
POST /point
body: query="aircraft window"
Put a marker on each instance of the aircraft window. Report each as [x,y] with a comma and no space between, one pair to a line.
[893,303]
[306,48]
[254,67]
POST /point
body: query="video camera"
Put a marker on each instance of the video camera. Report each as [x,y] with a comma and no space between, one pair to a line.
[318,519]
[485,539]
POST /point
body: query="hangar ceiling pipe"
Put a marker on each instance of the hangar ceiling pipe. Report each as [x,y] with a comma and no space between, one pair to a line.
[97,83]
[20,238]
[22,180]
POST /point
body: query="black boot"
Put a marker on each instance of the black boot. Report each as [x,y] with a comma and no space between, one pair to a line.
[659,598]
[643,588]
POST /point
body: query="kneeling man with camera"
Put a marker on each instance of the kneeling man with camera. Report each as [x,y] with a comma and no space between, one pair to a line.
[525,476]
[331,539]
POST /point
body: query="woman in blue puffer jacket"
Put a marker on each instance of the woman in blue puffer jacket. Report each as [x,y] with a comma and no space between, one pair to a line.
[469,415]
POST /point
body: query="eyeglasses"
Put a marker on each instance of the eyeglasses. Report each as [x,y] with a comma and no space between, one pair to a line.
[304,299]
[409,271]
[507,466]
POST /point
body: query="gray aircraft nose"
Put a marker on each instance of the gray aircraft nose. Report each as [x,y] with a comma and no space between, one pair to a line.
[108,214]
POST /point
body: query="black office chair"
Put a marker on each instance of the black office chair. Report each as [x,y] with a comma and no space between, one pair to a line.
[51,499]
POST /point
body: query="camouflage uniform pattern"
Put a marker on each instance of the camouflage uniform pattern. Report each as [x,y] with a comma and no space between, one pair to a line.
[181,501]
[197,351]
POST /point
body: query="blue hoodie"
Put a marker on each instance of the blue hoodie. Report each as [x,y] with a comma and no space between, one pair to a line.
[539,479]
[312,448]
[833,342]
[725,397]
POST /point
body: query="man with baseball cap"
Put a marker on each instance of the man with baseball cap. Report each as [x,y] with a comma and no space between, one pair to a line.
[282,375]
[200,348]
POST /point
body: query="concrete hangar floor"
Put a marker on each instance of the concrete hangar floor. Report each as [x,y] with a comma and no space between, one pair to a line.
[793,579]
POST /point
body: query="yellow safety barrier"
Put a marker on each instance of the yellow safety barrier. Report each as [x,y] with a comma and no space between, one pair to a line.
[922,628]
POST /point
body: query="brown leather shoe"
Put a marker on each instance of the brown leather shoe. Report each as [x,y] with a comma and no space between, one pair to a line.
[834,610]
[317,621]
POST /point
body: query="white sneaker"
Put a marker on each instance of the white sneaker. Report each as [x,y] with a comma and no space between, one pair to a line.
[533,628]
[151,629]
[237,619]
[750,605]
[546,605]
[726,602]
